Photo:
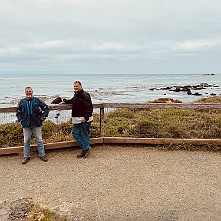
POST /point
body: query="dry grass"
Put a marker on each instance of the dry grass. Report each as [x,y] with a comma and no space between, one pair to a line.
[42,214]
[214,99]
[141,123]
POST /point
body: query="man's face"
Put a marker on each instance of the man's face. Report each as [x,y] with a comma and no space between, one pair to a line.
[29,93]
[77,87]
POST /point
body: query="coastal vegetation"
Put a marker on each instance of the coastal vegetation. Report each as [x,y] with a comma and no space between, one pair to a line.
[44,214]
[128,122]
[27,209]
[212,99]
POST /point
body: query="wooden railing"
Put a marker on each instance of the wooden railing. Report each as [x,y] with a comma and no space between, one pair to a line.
[102,107]
[125,140]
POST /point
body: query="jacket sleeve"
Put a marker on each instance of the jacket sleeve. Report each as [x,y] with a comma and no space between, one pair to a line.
[88,106]
[44,108]
[68,101]
[19,112]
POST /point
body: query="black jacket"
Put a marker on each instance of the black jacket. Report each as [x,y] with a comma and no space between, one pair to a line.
[81,105]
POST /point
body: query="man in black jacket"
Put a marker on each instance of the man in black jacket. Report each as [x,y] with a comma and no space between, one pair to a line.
[82,110]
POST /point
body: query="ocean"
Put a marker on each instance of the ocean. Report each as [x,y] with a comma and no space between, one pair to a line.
[104,88]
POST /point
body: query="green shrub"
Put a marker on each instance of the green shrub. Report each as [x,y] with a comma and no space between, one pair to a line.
[116,126]
[212,99]
[158,123]
[48,128]
[121,112]
[146,128]
[11,134]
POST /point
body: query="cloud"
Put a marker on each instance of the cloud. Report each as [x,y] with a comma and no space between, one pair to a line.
[197,44]
[78,33]
[10,50]
[115,47]
[50,44]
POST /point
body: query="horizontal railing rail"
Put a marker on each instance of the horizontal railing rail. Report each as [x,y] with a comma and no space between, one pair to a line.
[125,140]
[131,105]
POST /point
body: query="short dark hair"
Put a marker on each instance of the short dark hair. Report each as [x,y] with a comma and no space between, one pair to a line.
[77,82]
[28,87]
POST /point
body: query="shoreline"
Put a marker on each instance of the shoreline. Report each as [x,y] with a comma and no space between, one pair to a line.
[117,88]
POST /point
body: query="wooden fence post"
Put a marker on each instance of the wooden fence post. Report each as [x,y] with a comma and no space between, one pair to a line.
[102,121]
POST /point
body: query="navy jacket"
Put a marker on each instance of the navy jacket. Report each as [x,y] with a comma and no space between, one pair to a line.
[81,105]
[29,112]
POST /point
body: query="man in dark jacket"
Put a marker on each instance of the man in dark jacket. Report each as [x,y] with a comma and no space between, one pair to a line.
[82,110]
[31,112]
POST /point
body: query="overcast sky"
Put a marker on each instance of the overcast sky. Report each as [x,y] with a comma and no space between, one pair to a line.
[111,36]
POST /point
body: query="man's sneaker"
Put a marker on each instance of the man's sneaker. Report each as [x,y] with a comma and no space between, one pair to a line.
[44,158]
[25,160]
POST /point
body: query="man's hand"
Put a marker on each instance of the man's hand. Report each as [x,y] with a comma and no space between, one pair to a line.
[43,118]
[83,119]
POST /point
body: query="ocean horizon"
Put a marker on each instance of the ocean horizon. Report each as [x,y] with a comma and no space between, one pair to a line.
[105,88]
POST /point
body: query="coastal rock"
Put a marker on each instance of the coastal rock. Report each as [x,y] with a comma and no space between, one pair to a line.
[57,100]
[197,94]
[211,74]
[189,92]
[188,88]
[166,100]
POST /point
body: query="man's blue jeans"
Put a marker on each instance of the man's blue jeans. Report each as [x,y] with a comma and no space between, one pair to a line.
[81,133]
[27,138]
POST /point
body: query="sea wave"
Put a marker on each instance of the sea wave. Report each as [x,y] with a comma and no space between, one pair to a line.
[105,88]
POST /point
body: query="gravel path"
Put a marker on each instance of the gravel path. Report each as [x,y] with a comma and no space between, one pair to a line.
[119,183]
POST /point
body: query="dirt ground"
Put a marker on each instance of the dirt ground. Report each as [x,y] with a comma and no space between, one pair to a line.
[118,183]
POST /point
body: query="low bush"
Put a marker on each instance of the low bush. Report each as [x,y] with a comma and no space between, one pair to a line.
[141,123]
[44,214]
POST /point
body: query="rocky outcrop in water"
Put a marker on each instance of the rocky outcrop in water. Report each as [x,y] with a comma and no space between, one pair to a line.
[188,88]
[57,100]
